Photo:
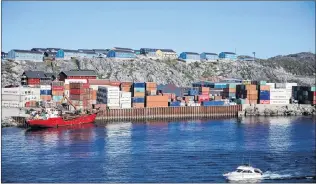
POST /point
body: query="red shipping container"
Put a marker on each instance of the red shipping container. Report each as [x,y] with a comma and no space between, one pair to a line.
[115,83]
[264,101]
[79,91]
[58,88]
[79,97]
[205,93]
[98,81]
[202,98]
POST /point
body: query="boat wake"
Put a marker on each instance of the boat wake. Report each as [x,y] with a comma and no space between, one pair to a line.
[275,176]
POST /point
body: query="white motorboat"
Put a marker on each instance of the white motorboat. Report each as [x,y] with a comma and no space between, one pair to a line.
[244,172]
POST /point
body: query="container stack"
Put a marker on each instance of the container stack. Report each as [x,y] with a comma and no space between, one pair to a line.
[248,91]
[115,83]
[288,87]
[57,90]
[138,102]
[138,89]
[279,97]
[157,101]
[126,86]
[264,94]
[46,92]
[312,95]
[79,94]
[189,100]
[151,88]
[125,100]
[14,97]
[109,95]
[272,85]
[94,86]
[304,94]
[230,91]
[68,81]
[171,96]
[175,104]
[202,98]
[204,91]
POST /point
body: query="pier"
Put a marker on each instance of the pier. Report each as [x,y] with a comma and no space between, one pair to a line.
[157,113]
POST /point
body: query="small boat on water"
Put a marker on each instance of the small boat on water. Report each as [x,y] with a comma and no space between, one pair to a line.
[55,118]
[244,172]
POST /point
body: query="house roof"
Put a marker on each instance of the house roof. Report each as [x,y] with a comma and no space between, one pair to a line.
[68,50]
[35,74]
[208,53]
[54,49]
[38,49]
[121,48]
[167,50]
[80,73]
[50,75]
[85,50]
[27,51]
[192,53]
[149,49]
[229,53]
[89,52]
[100,50]
[123,51]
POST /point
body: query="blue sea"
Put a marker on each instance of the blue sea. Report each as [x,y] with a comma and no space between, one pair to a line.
[175,151]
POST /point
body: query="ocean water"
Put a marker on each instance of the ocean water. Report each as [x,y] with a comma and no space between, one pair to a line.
[178,151]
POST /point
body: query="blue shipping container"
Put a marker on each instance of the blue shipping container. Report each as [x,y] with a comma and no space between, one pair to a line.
[57,98]
[46,92]
[138,100]
[139,90]
[193,92]
[139,85]
[213,103]
[174,104]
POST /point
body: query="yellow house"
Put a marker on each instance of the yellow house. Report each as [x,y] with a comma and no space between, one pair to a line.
[166,54]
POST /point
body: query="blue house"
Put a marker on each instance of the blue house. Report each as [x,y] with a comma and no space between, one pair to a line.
[148,52]
[67,54]
[206,56]
[228,55]
[123,54]
[28,55]
[190,56]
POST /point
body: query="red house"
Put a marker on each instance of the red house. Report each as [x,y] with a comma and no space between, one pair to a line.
[35,77]
[77,74]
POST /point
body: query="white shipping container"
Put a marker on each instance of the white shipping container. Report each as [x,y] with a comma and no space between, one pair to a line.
[96,87]
[11,104]
[67,81]
[11,91]
[35,91]
[111,100]
[272,85]
[280,85]
[279,102]
[46,87]
[113,105]
[12,97]
[125,94]
[277,91]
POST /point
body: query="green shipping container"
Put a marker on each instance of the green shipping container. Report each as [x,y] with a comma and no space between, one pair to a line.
[263,82]
[233,85]
[313,88]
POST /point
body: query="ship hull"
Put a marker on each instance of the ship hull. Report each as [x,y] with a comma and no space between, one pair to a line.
[59,121]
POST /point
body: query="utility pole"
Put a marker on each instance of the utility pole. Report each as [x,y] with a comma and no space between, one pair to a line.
[254,56]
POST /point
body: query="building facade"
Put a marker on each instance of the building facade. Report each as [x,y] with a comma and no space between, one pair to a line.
[27,55]
[206,56]
[149,52]
[67,54]
[101,52]
[123,54]
[190,56]
[34,77]
[166,54]
[77,74]
[228,55]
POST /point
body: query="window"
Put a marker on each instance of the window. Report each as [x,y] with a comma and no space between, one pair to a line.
[256,171]
[239,170]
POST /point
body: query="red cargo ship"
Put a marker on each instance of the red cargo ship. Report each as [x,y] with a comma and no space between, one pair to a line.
[63,120]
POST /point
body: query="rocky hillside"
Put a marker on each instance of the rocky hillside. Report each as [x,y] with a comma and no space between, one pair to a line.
[298,68]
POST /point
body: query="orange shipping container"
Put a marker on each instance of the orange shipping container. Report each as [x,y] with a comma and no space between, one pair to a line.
[251,87]
[157,99]
[218,97]
[151,85]
[57,93]
[157,104]
[265,87]
[46,97]
[252,97]
[139,94]
[230,90]
[251,92]
[126,84]
[252,101]
[205,89]
[138,105]
[99,81]
[66,86]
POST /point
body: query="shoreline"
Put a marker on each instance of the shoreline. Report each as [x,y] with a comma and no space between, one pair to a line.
[190,113]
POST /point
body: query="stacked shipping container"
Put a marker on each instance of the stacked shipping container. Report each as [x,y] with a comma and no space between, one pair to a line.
[264,94]
[151,88]
[138,90]
[109,95]
[57,90]
[79,94]
[249,92]
[46,92]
